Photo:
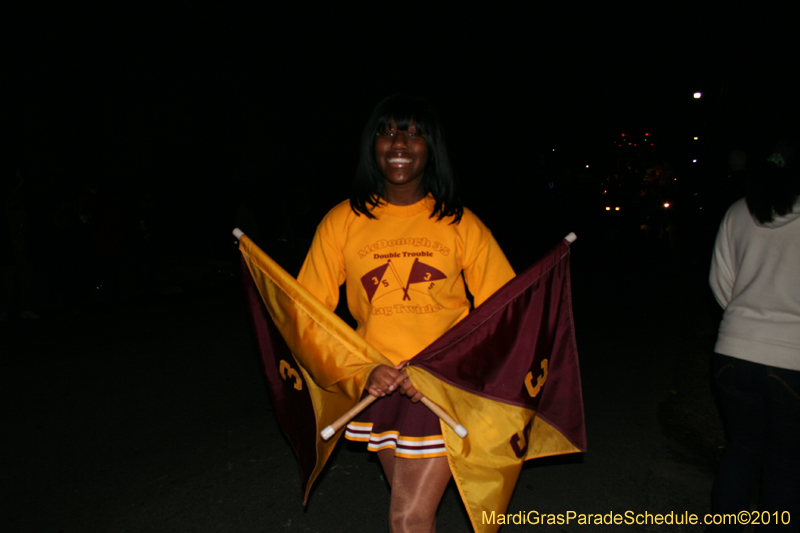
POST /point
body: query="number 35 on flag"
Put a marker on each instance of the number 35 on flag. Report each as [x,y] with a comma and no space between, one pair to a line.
[534,390]
[288,372]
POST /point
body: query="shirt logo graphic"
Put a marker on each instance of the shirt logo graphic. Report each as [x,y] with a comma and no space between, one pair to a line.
[379,281]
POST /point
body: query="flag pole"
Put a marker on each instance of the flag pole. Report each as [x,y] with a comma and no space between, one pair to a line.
[331,430]
[460,430]
[571,237]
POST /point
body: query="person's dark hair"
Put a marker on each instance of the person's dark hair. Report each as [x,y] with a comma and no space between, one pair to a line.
[438,179]
[774,187]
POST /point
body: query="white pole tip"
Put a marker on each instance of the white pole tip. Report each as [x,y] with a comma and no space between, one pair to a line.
[327,433]
[571,237]
[237,233]
[461,431]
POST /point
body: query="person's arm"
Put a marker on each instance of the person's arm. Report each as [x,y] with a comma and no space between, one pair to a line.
[323,270]
[322,273]
[722,275]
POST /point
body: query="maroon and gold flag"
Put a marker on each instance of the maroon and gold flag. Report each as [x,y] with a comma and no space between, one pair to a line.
[288,388]
[509,374]
[299,337]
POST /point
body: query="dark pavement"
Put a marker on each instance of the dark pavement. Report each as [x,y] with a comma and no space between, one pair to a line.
[152,416]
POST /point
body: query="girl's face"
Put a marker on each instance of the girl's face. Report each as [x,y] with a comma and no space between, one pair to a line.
[401,156]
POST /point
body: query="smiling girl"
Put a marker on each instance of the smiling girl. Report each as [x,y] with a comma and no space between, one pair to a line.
[405,246]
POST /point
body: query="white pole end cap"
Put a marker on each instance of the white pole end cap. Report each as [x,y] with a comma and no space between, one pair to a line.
[327,433]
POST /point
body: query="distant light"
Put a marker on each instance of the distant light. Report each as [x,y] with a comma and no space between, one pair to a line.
[651,144]
[554,149]
[646,134]
[695,138]
[616,209]
[608,209]
[623,135]
[634,144]
[697,95]
[666,204]
[694,160]
[587,166]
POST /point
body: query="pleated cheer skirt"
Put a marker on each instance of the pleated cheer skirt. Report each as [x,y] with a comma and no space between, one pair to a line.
[393,422]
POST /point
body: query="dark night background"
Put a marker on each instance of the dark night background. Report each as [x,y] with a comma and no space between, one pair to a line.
[181,116]
[144,135]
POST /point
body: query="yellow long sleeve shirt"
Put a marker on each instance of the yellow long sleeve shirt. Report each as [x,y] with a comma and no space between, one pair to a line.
[403,272]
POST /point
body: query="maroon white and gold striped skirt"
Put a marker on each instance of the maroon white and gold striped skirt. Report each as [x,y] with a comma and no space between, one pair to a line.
[393,422]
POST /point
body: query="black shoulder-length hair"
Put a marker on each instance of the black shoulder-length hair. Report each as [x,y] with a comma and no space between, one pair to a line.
[438,180]
[774,187]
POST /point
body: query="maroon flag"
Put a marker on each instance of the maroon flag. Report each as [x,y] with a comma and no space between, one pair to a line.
[288,389]
[508,373]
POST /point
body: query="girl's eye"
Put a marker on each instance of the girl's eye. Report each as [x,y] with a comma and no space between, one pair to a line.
[393,133]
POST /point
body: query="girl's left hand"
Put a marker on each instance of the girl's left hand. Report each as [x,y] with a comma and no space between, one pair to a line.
[383,380]
[405,386]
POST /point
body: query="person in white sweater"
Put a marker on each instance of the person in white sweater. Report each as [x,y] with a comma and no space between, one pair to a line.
[755,277]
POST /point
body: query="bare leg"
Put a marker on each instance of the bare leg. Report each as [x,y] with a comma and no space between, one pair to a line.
[417,488]
[386,457]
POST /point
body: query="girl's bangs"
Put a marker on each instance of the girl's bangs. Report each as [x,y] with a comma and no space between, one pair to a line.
[403,117]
